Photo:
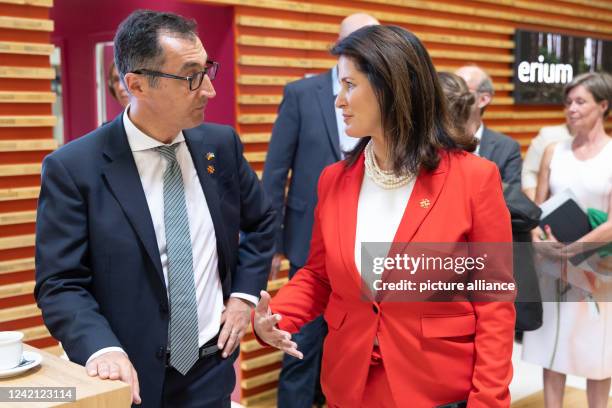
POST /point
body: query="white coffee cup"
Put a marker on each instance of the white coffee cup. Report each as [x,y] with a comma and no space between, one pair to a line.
[11,349]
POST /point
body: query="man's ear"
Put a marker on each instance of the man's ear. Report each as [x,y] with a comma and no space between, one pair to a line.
[484,99]
[135,83]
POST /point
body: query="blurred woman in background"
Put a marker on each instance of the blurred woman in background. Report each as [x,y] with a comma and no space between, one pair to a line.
[575,336]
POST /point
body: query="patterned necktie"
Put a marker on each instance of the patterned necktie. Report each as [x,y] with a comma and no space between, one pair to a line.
[183,336]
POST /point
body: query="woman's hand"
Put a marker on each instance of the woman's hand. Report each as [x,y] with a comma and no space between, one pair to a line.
[264,324]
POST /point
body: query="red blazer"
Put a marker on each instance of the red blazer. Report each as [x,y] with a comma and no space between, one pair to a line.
[434,353]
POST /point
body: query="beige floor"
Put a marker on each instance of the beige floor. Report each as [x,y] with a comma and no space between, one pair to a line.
[574,398]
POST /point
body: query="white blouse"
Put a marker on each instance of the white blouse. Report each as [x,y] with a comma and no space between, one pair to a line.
[379,213]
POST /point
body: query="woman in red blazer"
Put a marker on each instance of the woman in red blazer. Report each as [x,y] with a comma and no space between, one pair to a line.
[391,353]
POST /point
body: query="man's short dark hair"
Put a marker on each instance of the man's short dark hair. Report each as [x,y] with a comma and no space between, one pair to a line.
[137,40]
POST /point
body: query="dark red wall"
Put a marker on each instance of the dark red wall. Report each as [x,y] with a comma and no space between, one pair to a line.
[79,25]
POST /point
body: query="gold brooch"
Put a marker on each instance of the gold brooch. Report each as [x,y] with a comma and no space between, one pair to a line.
[424,203]
[210,156]
[211,169]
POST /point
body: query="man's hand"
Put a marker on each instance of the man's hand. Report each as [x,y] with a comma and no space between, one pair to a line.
[235,319]
[115,365]
[265,326]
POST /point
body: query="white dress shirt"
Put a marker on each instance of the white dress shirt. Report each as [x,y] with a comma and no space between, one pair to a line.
[345,141]
[478,135]
[151,166]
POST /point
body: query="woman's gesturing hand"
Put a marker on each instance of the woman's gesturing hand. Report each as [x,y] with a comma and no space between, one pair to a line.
[264,324]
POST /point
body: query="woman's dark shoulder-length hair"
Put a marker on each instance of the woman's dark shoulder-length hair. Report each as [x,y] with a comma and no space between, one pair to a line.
[413,108]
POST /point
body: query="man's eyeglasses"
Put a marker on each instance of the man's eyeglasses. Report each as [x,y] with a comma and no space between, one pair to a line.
[195,80]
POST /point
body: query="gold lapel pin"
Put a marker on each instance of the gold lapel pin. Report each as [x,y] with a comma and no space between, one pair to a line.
[424,203]
[210,169]
[210,156]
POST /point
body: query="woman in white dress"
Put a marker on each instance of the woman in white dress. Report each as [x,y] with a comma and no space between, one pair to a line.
[576,337]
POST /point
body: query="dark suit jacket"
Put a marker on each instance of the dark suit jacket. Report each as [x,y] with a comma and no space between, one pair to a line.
[305,140]
[503,151]
[99,279]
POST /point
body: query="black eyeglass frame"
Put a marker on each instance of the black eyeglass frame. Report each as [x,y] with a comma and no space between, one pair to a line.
[210,70]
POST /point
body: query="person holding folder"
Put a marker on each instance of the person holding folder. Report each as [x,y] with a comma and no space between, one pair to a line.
[572,339]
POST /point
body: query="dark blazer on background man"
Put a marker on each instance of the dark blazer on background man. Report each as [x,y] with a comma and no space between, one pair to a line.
[99,279]
[503,151]
[305,140]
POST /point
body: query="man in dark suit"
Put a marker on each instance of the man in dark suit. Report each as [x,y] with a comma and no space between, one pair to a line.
[308,135]
[139,269]
[499,148]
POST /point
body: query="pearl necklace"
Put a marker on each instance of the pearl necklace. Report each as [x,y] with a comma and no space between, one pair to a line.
[383,178]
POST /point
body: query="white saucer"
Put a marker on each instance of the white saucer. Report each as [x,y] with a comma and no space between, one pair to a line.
[34,360]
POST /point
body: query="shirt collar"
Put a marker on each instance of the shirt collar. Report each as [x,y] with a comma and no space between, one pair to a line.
[478,134]
[139,140]
[335,83]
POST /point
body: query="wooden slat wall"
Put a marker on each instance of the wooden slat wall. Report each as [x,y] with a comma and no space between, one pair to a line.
[26,136]
[279,41]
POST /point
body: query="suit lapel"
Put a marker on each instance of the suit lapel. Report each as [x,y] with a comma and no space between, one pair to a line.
[326,105]
[487,144]
[425,193]
[208,179]
[347,205]
[422,199]
[124,182]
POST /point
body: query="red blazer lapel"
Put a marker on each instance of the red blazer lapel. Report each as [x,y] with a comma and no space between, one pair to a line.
[347,203]
[423,198]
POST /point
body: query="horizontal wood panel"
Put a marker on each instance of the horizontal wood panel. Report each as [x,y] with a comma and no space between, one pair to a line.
[16,265]
[255,137]
[276,284]
[20,23]
[17,217]
[27,97]
[311,45]
[259,99]
[27,121]
[40,3]
[592,3]
[255,157]
[263,399]
[35,333]
[542,19]
[20,169]
[266,80]
[261,361]
[386,17]
[257,118]
[17,241]
[12,47]
[26,72]
[256,381]
[19,312]
[16,289]
[19,193]
[310,26]
[250,345]
[27,145]
[524,115]
[546,8]
[286,62]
